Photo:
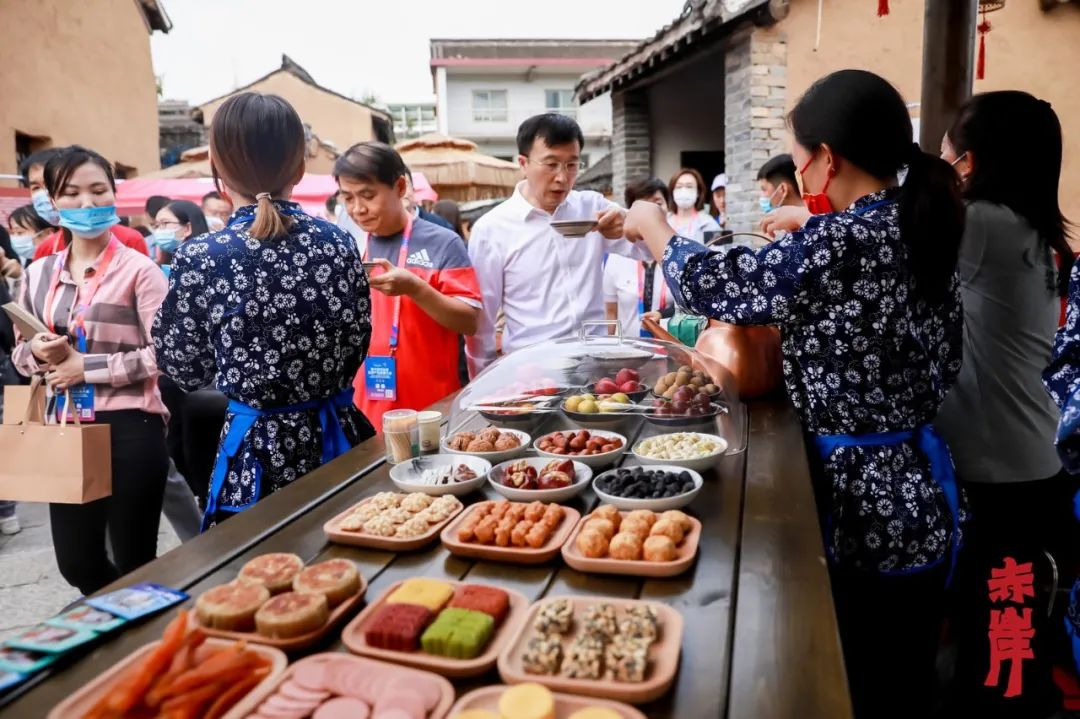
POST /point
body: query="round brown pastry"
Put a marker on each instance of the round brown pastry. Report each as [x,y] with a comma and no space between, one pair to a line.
[274,571]
[679,518]
[599,524]
[648,516]
[335,579]
[507,441]
[591,543]
[491,434]
[480,445]
[635,525]
[291,614]
[667,528]
[625,545]
[659,549]
[610,513]
[231,606]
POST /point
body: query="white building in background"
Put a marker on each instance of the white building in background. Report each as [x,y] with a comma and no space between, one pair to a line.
[413,119]
[485,88]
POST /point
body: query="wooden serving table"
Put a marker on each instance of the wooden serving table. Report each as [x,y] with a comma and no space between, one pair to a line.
[760,638]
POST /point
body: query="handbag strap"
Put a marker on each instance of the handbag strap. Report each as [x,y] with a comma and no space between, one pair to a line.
[68,407]
[36,384]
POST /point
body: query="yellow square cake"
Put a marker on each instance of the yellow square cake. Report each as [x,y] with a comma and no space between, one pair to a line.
[424,592]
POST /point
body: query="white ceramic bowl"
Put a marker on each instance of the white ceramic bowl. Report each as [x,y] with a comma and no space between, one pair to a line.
[581,483]
[594,461]
[656,505]
[573,228]
[406,476]
[495,457]
[698,464]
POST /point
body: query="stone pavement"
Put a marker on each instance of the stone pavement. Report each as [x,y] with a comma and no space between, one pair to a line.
[31,588]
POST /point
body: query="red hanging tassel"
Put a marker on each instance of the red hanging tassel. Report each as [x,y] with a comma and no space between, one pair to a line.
[980,62]
[882,7]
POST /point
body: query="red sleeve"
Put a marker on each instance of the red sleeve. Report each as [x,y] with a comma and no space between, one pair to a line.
[458,282]
[131,238]
[47,246]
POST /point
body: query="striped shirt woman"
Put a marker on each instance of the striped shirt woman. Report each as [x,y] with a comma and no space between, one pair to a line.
[98,299]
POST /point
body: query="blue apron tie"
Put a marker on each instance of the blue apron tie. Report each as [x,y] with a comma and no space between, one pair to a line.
[932,445]
[335,443]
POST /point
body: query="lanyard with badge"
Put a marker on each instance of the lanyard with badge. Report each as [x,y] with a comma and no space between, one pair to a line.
[641,294]
[380,371]
[82,395]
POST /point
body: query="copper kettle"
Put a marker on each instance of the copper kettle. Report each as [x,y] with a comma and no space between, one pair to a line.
[749,356]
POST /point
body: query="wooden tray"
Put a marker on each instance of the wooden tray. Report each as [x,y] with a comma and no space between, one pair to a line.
[684,556]
[353,637]
[77,704]
[663,655]
[252,701]
[565,704]
[515,555]
[292,643]
[335,533]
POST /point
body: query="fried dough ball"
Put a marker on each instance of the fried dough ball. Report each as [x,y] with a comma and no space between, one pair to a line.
[625,546]
[592,544]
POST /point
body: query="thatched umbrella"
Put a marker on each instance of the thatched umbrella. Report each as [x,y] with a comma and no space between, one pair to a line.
[457,170]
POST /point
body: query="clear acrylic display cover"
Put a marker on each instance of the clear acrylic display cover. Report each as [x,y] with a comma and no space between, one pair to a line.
[527,389]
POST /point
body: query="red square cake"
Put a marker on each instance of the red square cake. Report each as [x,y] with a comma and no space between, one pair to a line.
[489,600]
[398,627]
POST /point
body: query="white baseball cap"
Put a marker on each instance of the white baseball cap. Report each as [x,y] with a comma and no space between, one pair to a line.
[719,181]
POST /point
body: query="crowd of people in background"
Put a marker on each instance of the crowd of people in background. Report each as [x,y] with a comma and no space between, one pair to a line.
[244,342]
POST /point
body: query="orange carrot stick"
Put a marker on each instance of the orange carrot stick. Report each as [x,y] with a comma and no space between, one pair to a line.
[182,661]
[197,698]
[211,669]
[123,699]
[238,690]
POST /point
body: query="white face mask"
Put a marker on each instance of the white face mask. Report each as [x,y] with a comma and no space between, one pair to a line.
[685,197]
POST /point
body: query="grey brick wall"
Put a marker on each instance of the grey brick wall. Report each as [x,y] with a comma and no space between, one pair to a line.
[755,91]
[631,152]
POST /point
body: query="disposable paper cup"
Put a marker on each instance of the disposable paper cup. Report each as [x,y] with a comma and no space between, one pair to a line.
[430,424]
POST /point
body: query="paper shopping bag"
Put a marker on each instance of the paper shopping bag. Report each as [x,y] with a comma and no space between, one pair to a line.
[17,401]
[63,463]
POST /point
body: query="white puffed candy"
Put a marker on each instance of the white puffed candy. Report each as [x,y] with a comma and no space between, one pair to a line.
[680,445]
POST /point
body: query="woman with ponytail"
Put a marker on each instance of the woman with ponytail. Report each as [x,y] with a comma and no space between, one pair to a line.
[865,293]
[998,420]
[274,309]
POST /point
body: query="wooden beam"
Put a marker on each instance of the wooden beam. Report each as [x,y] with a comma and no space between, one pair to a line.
[948,66]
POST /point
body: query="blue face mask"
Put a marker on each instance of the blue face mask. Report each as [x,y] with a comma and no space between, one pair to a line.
[166,239]
[44,207]
[89,221]
[23,246]
[765,204]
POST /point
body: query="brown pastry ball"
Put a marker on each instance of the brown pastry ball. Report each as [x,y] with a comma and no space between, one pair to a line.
[480,445]
[460,441]
[603,526]
[659,549]
[507,441]
[667,528]
[679,518]
[592,544]
[489,435]
[644,514]
[625,546]
[608,512]
[635,525]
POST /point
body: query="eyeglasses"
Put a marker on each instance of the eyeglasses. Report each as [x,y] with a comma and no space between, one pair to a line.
[165,225]
[551,167]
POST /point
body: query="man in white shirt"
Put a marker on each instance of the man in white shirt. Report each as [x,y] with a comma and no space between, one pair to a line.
[547,285]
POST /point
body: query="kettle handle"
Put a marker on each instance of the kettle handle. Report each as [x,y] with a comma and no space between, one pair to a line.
[658,332]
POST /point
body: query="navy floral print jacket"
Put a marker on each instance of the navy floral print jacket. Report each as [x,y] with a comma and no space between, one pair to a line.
[862,354]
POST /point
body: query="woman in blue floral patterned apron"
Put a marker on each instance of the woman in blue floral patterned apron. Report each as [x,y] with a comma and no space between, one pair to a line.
[274,309]
[865,293]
